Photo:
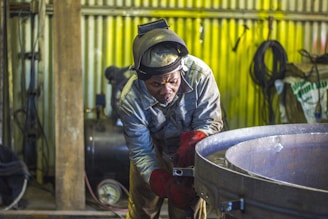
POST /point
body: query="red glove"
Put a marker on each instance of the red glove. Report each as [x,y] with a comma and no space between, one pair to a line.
[178,190]
[185,155]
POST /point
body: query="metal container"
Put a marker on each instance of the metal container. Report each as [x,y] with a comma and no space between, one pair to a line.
[106,153]
[246,187]
[296,159]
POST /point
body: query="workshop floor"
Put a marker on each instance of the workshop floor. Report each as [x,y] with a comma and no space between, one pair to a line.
[40,199]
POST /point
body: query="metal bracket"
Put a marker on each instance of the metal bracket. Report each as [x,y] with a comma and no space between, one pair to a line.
[183,171]
[232,205]
[144,28]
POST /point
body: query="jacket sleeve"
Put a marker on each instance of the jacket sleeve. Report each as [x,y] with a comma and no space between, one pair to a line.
[138,139]
[207,116]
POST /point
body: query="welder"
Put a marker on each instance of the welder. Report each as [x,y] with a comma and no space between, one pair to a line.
[167,107]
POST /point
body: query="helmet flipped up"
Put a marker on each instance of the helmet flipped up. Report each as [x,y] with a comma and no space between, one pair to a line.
[157,49]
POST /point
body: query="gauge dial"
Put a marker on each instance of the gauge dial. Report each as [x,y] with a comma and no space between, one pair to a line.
[109,192]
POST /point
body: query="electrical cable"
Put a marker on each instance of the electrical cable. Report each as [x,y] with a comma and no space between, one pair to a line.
[18,198]
[31,126]
[264,77]
[315,60]
[113,208]
[14,168]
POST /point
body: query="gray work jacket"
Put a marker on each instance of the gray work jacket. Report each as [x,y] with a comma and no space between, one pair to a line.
[196,107]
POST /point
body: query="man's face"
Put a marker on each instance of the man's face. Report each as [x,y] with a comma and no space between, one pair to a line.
[165,86]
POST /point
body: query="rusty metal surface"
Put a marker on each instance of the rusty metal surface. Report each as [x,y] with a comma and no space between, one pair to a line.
[263,198]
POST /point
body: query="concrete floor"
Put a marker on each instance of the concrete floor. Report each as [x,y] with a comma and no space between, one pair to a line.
[39,202]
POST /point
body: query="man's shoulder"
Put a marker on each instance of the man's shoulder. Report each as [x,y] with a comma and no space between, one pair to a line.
[195,68]
[194,64]
[128,87]
[193,61]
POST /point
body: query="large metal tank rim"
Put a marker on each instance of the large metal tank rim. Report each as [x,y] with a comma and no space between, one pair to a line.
[262,198]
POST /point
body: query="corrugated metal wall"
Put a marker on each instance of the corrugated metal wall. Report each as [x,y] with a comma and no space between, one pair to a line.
[210,28]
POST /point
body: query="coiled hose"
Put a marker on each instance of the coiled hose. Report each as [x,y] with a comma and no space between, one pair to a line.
[12,169]
[264,77]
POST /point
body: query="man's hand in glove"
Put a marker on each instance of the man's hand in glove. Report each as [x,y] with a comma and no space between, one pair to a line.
[179,190]
[185,155]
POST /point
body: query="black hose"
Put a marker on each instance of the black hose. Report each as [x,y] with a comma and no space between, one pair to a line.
[315,60]
[263,76]
[10,164]
[12,170]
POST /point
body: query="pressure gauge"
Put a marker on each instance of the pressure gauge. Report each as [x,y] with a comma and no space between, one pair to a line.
[109,192]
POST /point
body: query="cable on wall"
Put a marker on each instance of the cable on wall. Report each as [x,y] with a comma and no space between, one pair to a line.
[264,76]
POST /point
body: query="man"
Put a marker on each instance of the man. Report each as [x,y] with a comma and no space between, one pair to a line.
[117,77]
[171,104]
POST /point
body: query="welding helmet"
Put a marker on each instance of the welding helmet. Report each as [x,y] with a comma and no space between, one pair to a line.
[151,38]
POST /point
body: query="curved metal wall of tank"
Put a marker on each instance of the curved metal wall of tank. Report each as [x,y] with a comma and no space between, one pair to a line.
[210,29]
